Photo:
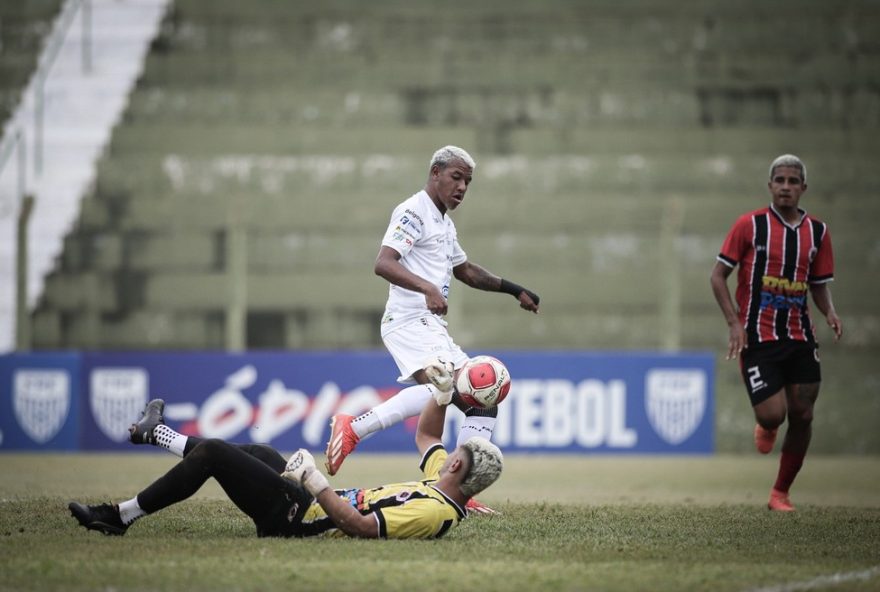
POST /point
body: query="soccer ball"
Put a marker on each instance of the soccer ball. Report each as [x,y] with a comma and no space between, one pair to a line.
[483,382]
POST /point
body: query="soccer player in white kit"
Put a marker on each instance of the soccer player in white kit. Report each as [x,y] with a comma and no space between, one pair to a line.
[419,256]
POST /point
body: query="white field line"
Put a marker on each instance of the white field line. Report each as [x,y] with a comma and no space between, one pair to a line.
[823,581]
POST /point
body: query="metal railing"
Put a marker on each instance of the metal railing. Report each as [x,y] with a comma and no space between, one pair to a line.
[15,141]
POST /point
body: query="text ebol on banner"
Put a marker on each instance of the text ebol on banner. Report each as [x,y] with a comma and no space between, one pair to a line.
[559,402]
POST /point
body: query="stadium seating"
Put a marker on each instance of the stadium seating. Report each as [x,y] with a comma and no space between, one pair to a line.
[616,142]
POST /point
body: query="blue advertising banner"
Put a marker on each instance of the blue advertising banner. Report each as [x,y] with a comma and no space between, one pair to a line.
[573,402]
[283,399]
[40,401]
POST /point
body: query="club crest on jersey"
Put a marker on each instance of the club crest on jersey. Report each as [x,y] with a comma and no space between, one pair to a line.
[675,401]
[41,401]
[118,396]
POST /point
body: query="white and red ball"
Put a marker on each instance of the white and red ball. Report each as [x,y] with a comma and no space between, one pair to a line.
[483,381]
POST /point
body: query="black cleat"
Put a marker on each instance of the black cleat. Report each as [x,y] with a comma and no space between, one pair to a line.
[104,518]
[142,431]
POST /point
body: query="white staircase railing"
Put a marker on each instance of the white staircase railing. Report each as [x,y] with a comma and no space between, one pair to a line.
[53,140]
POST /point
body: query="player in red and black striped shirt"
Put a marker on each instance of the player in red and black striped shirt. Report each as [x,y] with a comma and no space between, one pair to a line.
[782,254]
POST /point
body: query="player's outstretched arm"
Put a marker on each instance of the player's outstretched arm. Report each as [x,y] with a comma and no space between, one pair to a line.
[301,469]
[430,430]
[346,518]
[482,279]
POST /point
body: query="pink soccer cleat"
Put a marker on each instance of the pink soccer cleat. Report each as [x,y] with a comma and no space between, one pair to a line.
[473,506]
[764,439]
[342,441]
[779,501]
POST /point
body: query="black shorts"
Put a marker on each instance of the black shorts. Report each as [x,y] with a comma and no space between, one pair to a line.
[768,367]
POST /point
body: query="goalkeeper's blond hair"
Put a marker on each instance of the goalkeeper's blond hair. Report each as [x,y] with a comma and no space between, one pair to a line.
[486,465]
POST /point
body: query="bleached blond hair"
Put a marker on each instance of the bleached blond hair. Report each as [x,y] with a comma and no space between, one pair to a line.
[789,160]
[448,154]
[486,465]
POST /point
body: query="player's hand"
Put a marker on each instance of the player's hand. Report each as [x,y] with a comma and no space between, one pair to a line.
[737,342]
[836,325]
[440,373]
[301,469]
[435,301]
[441,397]
[529,301]
[298,464]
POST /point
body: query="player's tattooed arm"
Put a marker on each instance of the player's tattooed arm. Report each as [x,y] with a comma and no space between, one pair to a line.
[477,277]
[482,279]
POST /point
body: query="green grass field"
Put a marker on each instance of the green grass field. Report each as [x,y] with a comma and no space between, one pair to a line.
[567,523]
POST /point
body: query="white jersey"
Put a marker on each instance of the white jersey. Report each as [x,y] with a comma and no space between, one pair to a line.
[428,247]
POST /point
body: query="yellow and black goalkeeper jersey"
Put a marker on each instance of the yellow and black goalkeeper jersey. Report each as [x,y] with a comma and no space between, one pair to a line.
[415,509]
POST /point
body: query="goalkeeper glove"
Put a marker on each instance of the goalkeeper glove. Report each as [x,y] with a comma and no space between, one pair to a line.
[441,374]
[301,469]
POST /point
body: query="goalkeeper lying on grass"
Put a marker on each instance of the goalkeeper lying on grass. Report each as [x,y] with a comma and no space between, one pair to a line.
[293,498]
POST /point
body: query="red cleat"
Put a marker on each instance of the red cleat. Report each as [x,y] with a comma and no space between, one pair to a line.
[342,441]
[475,507]
[764,439]
[779,501]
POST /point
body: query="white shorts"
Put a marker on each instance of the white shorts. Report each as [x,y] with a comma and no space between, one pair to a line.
[416,342]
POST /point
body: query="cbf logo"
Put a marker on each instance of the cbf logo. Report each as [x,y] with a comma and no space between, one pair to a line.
[675,401]
[41,399]
[118,396]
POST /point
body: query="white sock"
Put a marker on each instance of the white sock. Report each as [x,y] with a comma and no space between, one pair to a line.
[130,511]
[170,440]
[476,426]
[407,403]
[365,424]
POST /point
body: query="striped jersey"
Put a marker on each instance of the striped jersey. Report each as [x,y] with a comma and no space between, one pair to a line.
[777,263]
[414,509]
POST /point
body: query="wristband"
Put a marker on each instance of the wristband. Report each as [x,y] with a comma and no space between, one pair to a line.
[515,290]
[511,288]
[315,482]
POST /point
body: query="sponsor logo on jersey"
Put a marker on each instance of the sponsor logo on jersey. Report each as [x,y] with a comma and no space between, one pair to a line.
[415,217]
[405,221]
[403,230]
[399,237]
[41,401]
[783,294]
